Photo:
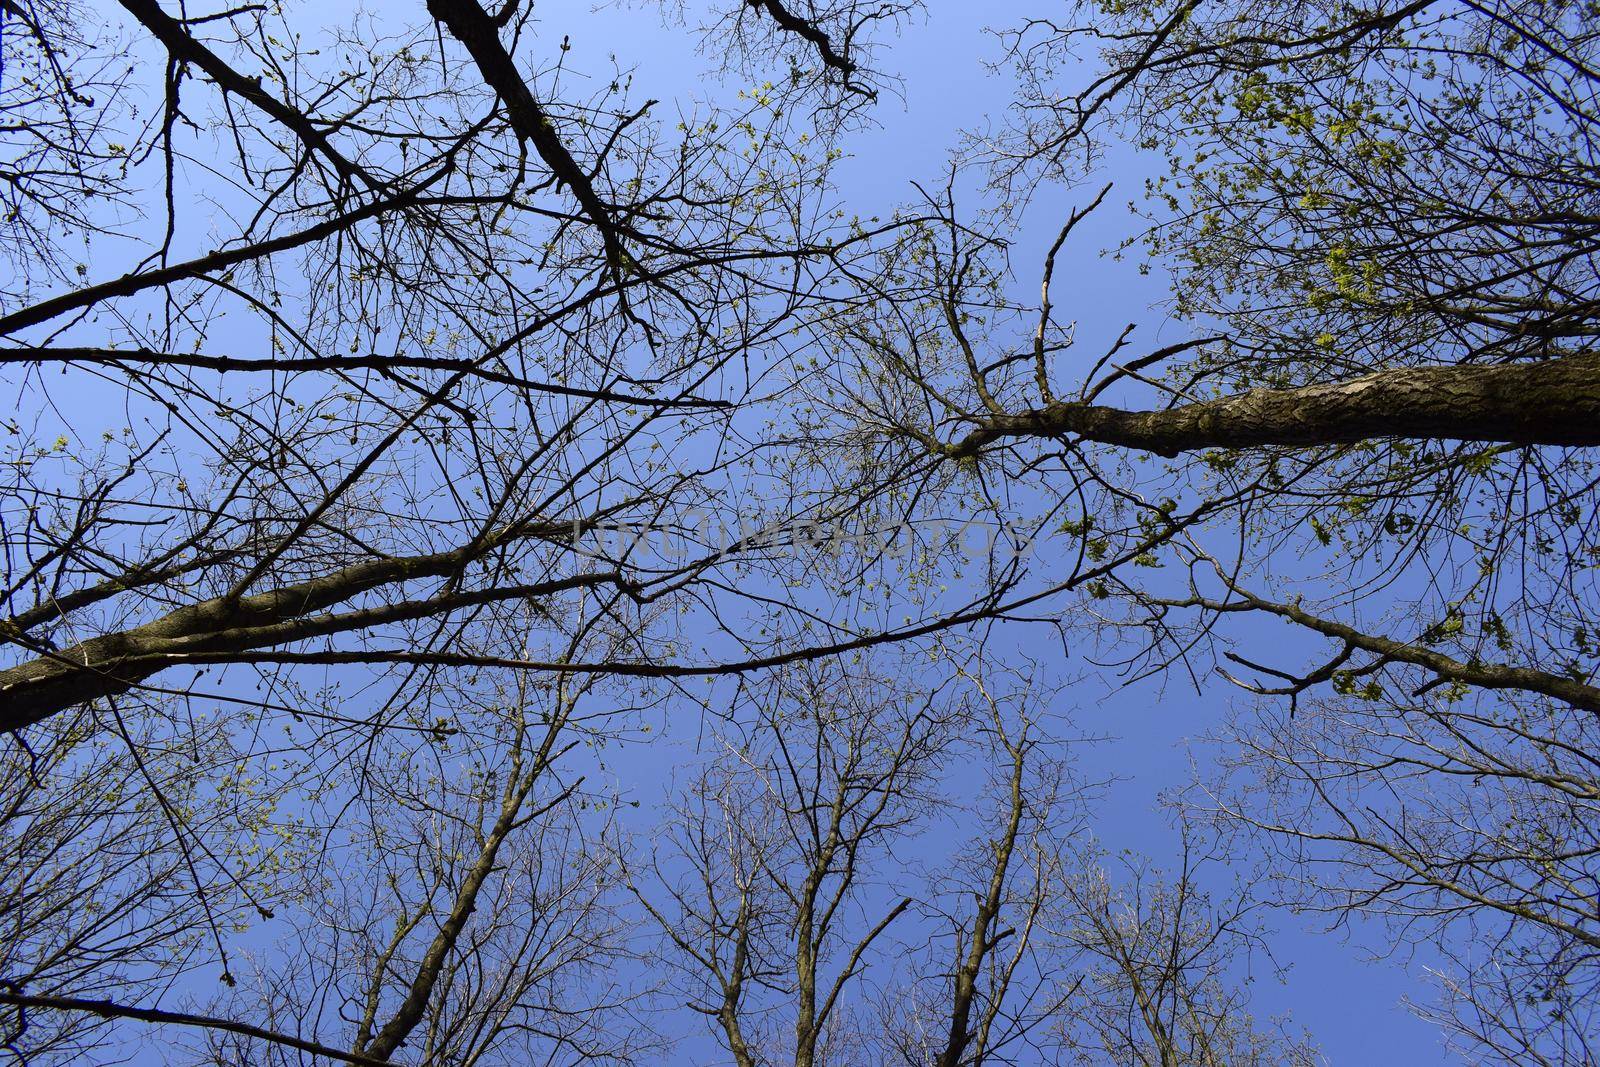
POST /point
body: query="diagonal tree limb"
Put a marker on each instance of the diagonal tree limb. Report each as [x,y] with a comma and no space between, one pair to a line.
[470,24]
[117,662]
[1474,673]
[182,46]
[809,31]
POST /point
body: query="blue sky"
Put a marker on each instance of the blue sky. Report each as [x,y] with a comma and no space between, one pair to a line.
[1350,1003]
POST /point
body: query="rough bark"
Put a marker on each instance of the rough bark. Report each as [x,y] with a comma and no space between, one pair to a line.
[1555,402]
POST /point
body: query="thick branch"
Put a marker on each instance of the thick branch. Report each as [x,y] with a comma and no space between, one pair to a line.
[1555,402]
[808,31]
[471,25]
[114,663]
[183,47]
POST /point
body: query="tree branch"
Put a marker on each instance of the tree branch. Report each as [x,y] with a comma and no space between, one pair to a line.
[109,1010]
[1554,402]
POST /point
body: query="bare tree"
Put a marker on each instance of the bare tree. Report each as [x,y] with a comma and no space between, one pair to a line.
[469,317]
[1017,946]
[460,354]
[1164,971]
[1457,818]
[770,905]
[470,915]
[979,987]
[125,862]
[1375,218]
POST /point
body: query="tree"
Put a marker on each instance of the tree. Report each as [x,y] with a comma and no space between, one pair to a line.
[469,918]
[473,386]
[1376,218]
[776,847]
[803,934]
[121,865]
[1161,980]
[1359,200]
[1462,820]
[453,397]
[983,984]
[447,388]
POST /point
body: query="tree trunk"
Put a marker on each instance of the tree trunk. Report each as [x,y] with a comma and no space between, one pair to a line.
[1556,402]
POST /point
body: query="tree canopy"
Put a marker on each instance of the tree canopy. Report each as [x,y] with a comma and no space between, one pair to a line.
[434,443]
